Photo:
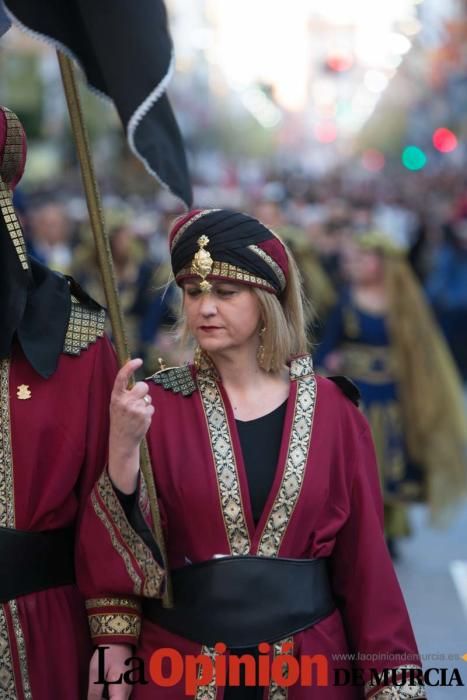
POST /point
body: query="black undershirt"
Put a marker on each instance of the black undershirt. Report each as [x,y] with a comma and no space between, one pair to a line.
[260,440]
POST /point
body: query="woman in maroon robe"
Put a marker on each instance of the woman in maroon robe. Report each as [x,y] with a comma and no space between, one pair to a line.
[268,491]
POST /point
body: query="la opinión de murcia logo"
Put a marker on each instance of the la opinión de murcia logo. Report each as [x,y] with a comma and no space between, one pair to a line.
[167,667]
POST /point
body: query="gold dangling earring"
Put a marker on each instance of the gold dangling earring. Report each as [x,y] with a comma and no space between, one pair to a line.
[197,357]
[261,350]
[203,362]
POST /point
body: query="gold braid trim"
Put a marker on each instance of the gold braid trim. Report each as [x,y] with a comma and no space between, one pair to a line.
[21,649]
[225,463]
[9,167]
[187,224]
[114,624]
[280,692]
[7,487]
[227,271]
[8,689]
[272,264]
[13,151]
[130,603]
[117,545]
[12,224]
[209,691]
[8,682]
[367,363]
[405,691]
[152,572]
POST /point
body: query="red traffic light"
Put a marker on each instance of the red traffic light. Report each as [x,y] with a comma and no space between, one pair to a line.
[444,140]
[339,62]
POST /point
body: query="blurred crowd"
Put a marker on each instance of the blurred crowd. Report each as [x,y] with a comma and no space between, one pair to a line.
[384,268]
[425,214]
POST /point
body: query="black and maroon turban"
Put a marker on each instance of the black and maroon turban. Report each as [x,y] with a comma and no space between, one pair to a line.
[223,244]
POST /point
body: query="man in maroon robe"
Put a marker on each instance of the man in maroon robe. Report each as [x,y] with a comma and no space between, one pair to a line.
[56,374]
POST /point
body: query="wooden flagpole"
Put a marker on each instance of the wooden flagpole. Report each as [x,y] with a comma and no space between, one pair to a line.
[108,276]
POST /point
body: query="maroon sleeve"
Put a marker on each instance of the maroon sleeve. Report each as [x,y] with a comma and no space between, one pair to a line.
[97,420]
[116,613]
[115,566]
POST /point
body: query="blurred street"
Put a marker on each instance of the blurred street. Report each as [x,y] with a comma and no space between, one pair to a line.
[434,601]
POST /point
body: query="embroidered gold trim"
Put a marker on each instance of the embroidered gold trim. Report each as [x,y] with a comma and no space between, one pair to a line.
[225,464]
[301,366]
[209,691]
[7,519]
[188,223]
[85,326]
[13,150]
[111,624]
[21,648]
[399,692]
[113,603]
[143,499]
[119,548]
[12,224]
[272,264]
[205,365]
[228,271]
[7,674]
[7,491]
[8,168]
[368,363]
[153,573]
[296,461]
[278,692]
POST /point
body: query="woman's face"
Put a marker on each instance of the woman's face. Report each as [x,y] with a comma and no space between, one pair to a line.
[226,318]
[361,266]
[120,244]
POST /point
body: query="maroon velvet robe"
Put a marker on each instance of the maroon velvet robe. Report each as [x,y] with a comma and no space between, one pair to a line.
[53,442]
[325,502]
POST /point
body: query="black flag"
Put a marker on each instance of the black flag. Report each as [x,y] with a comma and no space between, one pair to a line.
[125,51]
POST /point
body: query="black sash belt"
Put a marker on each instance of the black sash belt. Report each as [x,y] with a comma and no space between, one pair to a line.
[34,561]
[245,600]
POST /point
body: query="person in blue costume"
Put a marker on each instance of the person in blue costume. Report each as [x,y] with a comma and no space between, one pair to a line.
[382,335]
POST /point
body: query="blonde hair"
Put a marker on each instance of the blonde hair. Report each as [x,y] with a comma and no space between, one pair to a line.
[285,333]
[284,321]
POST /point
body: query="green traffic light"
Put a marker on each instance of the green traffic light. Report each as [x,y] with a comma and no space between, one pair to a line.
[413,158]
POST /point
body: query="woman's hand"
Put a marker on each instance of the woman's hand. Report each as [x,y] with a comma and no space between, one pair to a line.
[114,667]
[131,412]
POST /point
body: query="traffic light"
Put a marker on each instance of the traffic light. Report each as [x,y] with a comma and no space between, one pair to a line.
[339,62]
[413,158]
[444,140]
